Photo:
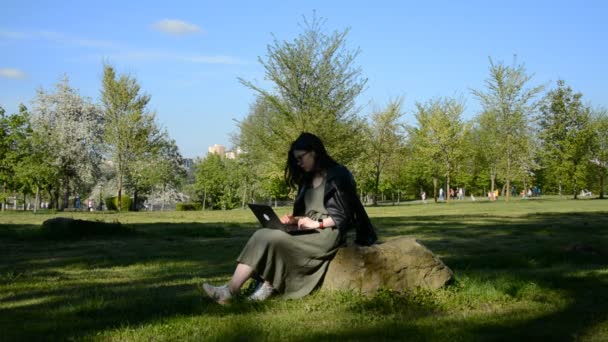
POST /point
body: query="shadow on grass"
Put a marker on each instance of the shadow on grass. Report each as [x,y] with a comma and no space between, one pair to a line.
[562,252]
[45,296]
[60,289]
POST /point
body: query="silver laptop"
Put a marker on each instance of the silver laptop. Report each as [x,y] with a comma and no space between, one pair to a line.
[269,219]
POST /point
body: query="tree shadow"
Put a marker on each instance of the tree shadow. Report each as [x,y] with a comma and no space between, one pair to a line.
[567,253]
[46,297]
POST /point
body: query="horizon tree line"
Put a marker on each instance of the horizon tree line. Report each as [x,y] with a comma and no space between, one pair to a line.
[521,138]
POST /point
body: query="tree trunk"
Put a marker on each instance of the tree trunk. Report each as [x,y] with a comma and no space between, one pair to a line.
[449,193]
[204,198]
[508,196]
[601,184]
[24,201]
[53,194]
[134,204]
[244,199]
[37,199]
[4,196]
[492,184]
[66,196]
[119,193]
[376,186]
[162,206]
[100,205]
[435,189]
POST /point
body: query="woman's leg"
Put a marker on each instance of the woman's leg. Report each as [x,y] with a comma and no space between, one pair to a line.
[240,276]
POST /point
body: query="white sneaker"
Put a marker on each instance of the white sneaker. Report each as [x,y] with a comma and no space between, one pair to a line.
[262,293]
[220,294]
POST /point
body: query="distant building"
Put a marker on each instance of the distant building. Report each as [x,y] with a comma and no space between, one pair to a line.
[218,149]
[234,153]
[188,163]
[221,150]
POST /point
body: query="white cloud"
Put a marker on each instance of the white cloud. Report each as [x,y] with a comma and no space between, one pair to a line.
[123,52]
[176,27]
[14,74]
[14,34]
[57,37]
[151,55]
[209,59]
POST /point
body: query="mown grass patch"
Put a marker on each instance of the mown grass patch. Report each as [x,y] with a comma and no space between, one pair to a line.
[524,270]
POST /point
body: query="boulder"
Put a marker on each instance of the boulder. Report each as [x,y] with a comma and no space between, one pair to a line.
[399,264]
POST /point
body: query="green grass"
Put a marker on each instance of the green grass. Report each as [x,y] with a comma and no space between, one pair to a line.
[530,269]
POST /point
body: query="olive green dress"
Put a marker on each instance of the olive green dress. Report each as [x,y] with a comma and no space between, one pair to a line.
[293,264]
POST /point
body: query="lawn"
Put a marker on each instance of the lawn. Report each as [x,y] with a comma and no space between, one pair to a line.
[530,269]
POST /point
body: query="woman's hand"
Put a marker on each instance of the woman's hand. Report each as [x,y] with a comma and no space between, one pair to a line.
[307,223]
[288,219]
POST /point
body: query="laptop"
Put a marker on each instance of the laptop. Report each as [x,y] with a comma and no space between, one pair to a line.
[269,219]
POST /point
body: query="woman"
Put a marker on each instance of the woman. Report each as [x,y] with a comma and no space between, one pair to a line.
[327,203]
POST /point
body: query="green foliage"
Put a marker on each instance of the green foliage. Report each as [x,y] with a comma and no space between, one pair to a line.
[130,131]
[599,149]
[439,139]
[567,138]
[218,182]
[112,203]
[61,228]
[315,85]
[508,105]
[15,132]
[382,146]
[191,206]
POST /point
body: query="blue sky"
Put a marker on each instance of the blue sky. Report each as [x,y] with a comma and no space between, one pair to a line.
[188,55]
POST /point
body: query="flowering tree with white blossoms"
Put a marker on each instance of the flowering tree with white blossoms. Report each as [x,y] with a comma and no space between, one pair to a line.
[71,125]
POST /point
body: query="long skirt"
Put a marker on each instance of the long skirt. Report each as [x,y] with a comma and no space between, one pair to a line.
[293,264]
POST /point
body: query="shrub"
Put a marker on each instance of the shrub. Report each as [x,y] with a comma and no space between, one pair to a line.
[112,203]
[188,206]
[63,227]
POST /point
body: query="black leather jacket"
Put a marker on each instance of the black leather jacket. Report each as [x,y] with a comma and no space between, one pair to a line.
[343,205]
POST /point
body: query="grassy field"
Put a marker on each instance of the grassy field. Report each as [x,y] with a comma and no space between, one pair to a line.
[529,269]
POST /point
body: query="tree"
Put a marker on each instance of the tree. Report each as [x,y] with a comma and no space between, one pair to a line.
[148,165]
[439,139]
[488,152]
[31,160]
[383,141]
[315,87]
[15,131]
[70,127]
[511,103]
[5,149]
[566,135]
[599,151]
[129,130]
[168,170]
[210,180]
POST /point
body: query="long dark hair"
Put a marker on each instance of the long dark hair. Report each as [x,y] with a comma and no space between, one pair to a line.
[294,175]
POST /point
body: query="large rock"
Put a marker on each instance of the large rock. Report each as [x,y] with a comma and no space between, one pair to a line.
[400,264]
